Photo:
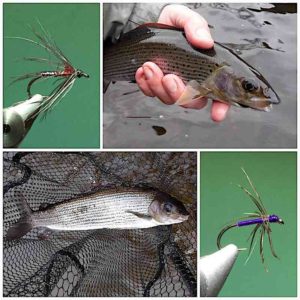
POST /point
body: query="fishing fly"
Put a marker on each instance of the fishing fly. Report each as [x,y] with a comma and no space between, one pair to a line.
[261,219]
[65,71]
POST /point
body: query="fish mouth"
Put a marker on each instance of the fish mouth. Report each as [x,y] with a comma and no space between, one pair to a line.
[265,100]
[183,218]
[272,96]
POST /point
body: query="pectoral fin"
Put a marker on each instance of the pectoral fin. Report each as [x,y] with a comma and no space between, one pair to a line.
[139,215]
[193,91]
[44,233]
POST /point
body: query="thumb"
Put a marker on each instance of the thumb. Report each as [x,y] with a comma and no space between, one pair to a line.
[194,25]
[197,33]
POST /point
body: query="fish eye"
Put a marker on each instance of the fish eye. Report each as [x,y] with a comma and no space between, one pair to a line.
[249,85]
[168,207]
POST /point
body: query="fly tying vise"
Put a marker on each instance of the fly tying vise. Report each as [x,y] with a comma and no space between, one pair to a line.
[261,218]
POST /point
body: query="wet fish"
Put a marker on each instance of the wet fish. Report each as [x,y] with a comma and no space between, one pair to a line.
[217,73]
[115,209]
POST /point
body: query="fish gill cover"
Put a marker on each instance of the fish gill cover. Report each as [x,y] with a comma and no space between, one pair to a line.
[158,261]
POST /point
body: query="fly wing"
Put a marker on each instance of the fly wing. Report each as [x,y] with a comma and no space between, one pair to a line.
[51,47]
[257,196]
[261,244]
[25,76]
[268,230]
[47,61]
[46,43]
[59,79]
[57,94]
[252,235]
[51,43]
[255,200]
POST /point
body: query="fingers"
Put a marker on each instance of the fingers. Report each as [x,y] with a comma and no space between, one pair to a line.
[197,33]
[219,111]
[142,82]
[169,88]
[194,25]
[152,82]
[174,86]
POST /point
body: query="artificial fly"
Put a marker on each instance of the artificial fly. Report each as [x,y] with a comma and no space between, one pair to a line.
[65,71]
[261,219]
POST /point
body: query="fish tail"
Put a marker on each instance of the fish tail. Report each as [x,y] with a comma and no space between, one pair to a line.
[25,223]
[19,229]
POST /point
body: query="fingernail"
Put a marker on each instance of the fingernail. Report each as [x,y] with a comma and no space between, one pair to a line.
[203,34]
[171,86]
[148,73]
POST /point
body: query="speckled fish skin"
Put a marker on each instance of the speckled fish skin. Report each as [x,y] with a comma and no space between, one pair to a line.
[115,209]
[169,49]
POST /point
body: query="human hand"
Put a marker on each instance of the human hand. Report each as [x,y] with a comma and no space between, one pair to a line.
[168,88]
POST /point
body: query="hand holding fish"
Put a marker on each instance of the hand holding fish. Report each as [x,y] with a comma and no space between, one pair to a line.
[168,88]
[153,53]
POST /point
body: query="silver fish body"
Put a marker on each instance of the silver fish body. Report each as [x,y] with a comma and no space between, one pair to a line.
[112,209]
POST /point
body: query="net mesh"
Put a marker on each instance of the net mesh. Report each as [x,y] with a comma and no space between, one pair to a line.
[158,261]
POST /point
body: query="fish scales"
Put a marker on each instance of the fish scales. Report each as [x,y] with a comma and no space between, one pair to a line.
[96,211]
[122,60]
